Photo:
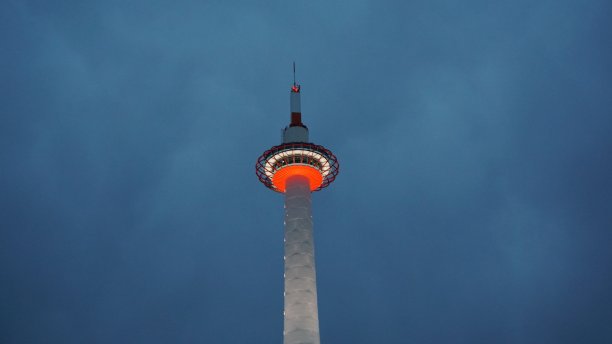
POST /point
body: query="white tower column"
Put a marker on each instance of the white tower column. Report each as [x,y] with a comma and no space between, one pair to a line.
[301,311]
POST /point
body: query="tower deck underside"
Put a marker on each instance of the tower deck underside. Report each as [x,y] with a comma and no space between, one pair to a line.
[301,311]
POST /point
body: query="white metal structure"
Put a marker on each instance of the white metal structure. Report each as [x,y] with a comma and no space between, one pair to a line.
[297,168]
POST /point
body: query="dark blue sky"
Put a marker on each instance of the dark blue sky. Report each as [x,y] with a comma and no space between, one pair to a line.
[474,202]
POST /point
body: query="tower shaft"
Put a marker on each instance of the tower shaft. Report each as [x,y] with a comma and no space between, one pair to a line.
[301,311]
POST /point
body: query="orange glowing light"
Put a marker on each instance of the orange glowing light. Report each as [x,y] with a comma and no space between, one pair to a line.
[280,177]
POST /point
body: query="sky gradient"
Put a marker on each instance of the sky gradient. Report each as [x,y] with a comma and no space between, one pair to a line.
[473,205]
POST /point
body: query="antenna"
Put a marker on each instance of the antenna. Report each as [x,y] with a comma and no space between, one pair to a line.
[295,88]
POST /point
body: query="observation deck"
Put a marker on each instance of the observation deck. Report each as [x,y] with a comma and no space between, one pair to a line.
[312,161]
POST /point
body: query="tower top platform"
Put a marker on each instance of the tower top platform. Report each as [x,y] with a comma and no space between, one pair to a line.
[315,162]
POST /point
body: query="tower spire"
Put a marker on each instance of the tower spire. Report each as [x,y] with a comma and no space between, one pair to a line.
[295,88]
[294,104]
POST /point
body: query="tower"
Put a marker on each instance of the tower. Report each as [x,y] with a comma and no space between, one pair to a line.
[297,168]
